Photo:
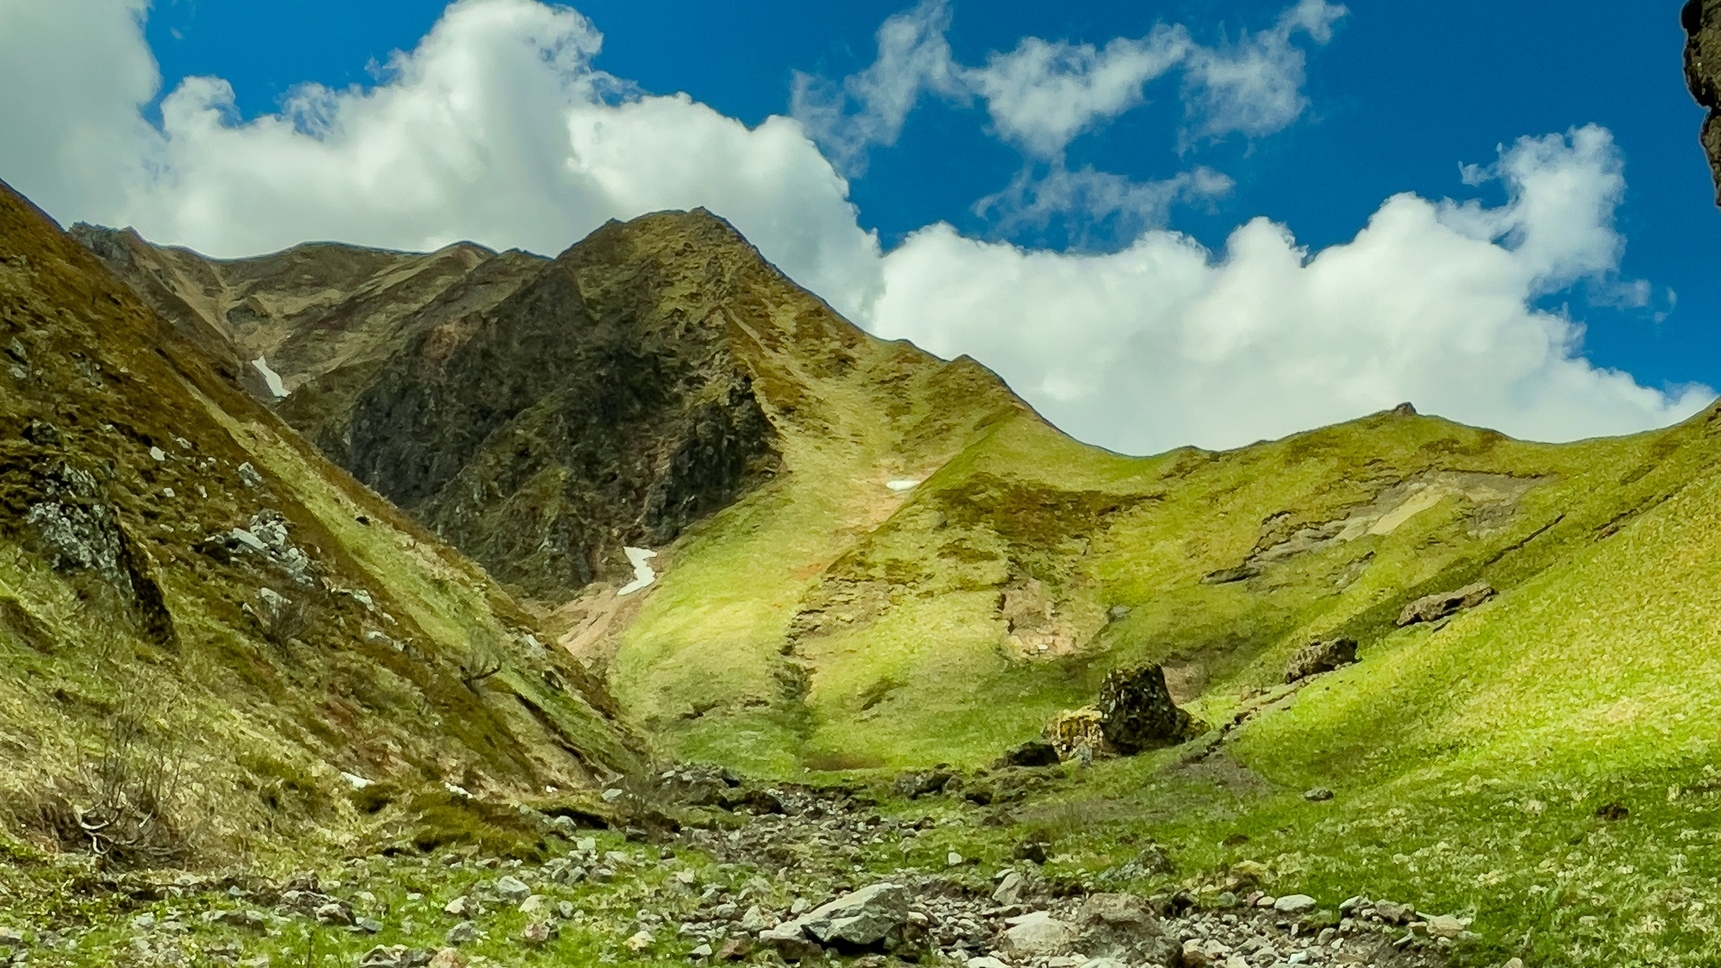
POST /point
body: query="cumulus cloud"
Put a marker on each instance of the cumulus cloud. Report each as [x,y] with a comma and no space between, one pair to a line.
[73,74]
[870,108]
[1043,94]
[1255,86]
[497,128]
[1095,206]
[1166,343]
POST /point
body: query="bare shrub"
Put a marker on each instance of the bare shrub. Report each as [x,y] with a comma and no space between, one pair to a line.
[125,806]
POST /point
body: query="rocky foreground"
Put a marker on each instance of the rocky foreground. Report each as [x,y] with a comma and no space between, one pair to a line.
[713,871]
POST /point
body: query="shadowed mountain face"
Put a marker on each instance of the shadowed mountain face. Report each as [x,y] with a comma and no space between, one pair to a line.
[1702,21]
[601,404]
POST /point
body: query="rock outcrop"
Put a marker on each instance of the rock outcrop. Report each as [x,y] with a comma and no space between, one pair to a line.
[1702,22]
[1318,657]
[1137,713]
[1433,608]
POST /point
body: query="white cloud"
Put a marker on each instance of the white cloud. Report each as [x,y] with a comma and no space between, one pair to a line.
[72,76]
[1042,95]
[1096,206]
[870,108]
[1165,343]
[1255,87]
[497,128]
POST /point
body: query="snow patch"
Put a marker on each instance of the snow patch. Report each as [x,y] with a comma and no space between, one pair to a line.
[270,377]
[643,575]
[902,485]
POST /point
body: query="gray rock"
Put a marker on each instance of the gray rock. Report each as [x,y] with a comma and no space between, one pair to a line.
[1318,795]
[249,477]
[701,951]
[1294,904]
[1010,889]
[860,919]
[1446,926]
[791,941]
[512,889]
[368,925]
[754,921]
[1039,935]
[461,933]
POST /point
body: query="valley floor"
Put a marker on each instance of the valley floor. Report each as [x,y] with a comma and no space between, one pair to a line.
[699,867]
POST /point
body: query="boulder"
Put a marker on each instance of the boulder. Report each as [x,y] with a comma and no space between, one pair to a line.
[511,889]
[1039,935]
[1136,711]
[1011,889]
[1121,926]
[1318,657]
[861,919]
[789,939]
[1294,904]
[1432,608]
[914,785]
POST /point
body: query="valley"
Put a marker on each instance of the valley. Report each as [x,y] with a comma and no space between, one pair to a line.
[631,606]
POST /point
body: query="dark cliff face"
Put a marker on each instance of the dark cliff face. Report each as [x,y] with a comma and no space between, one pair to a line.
[1702,21]
[601,405]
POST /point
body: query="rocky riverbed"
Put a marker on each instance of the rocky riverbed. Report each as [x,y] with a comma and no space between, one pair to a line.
[702,868]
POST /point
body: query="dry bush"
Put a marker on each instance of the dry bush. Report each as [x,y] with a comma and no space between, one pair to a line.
[125,806]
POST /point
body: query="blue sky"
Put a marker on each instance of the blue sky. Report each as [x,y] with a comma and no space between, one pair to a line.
[1395,100]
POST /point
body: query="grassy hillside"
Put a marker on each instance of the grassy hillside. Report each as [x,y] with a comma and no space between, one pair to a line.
[199,613]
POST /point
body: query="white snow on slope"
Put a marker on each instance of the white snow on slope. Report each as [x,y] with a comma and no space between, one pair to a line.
[270,377]
[643,574]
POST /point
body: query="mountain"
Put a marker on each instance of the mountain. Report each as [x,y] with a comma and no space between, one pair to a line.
[189,591]
[1702,21]
[544,414]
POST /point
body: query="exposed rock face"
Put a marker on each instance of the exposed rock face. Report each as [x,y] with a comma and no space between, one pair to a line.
[1318,657]
[547,433]
[1702,21]
[1136,711]
[1432,608]
[539,414]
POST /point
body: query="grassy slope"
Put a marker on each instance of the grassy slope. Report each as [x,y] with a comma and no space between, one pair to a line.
[1470,760]
[261,728]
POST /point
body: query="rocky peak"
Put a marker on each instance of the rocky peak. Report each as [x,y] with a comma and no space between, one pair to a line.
[1702,21]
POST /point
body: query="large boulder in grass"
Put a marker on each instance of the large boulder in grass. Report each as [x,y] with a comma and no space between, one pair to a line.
[1318,657]
[1136,711]
[867,918]
[1432,608]
[1121,927]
